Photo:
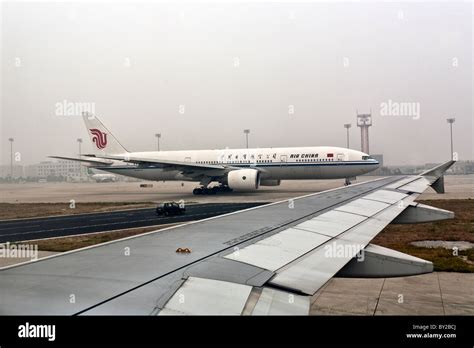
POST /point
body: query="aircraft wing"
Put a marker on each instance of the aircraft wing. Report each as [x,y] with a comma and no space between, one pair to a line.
[265,260]
[89,160]
[192,170]
[186,166]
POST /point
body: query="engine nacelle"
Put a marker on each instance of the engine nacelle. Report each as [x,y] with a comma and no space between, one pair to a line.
[243,179]
[270,182]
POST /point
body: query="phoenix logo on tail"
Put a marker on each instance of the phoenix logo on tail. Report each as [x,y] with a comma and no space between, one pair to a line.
[99,138]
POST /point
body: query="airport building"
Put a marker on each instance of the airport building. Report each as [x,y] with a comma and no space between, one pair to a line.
[66,169]
[69,170]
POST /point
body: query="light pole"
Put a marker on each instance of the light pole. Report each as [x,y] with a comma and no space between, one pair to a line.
[247,132]
[158,136]
[11,140]
[451,121]
[347,126]
[79,141]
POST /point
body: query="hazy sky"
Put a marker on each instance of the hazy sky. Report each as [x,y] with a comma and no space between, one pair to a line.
[235,66]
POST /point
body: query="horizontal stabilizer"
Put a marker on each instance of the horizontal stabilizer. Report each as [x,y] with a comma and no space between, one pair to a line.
[379,262]
[419,213]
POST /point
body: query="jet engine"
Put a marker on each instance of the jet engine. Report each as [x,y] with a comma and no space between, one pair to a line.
[243,179]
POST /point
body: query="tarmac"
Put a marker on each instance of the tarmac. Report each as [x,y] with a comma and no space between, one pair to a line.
[437,293]
[61,226]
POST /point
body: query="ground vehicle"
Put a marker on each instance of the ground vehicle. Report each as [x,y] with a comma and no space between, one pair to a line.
[170,208]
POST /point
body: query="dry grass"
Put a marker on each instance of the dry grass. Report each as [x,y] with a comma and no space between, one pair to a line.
[461,228]
[29,210]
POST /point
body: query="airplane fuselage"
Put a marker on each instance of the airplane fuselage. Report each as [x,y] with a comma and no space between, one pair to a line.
[293,163]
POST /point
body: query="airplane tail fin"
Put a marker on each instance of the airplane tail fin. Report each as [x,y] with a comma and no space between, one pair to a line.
[103,140]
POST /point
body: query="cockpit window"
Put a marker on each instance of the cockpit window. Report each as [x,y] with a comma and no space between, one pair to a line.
[366,157]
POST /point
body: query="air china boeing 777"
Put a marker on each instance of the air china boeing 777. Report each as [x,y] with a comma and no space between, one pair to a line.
[232,169]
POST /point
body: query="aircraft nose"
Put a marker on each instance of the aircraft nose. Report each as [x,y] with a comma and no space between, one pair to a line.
[376,164]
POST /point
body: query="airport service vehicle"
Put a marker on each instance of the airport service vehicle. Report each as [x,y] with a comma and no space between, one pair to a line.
[104,177]
[170,208]
[232,169]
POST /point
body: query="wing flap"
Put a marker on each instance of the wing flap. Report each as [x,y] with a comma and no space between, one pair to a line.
[207,297]
[201,296]
[276,302]
[279,249]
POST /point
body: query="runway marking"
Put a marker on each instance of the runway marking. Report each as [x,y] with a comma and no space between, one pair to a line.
[110,218]
[10,228]
[70,216]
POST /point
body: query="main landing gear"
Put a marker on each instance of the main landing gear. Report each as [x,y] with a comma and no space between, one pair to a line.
[348,181]
[211,190]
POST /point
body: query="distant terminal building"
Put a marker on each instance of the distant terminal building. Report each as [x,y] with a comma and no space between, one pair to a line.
[67,170]
[463,167]
[61,170]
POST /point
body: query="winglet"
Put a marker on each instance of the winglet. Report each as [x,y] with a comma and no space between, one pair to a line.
[438,171]
[436,175]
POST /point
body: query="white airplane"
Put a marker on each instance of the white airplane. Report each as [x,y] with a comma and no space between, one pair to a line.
[233,169]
